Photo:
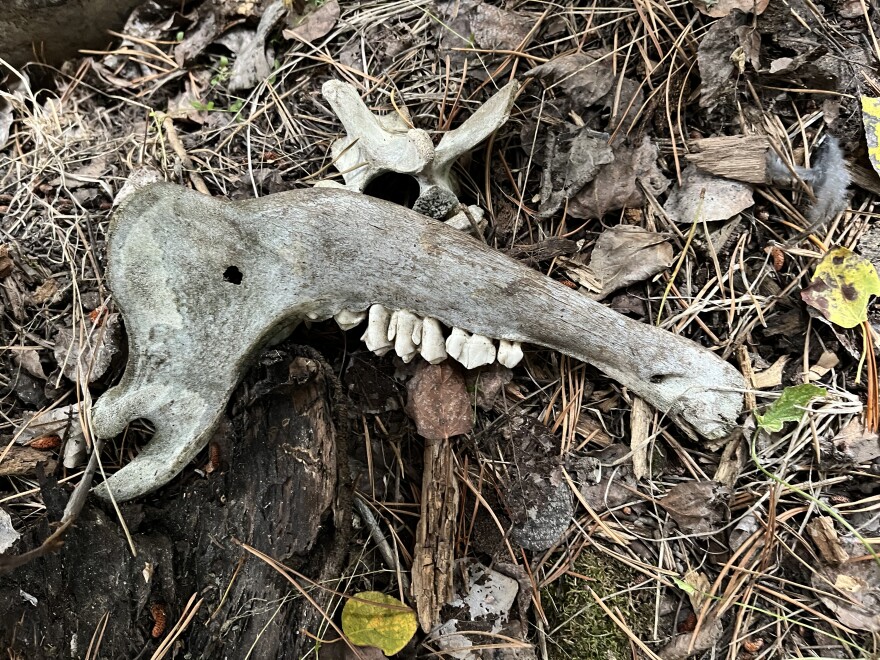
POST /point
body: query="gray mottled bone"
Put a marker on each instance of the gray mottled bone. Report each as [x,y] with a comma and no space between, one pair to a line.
[308,254]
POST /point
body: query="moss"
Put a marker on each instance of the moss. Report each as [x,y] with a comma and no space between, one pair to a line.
[581,629]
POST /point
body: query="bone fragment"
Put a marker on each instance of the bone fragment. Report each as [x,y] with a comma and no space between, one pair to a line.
[322,250]
[374,145]
[405,329]
[509,353]
[433,346]
[348,320]
[376,336]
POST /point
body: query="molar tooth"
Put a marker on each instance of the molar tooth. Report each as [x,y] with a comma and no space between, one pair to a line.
[509,353]
[479,350]
[403,327]
[376,336]
[433,346]
[346,319]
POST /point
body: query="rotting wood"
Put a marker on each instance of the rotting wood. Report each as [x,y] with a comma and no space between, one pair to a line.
[435,537]
[274,490]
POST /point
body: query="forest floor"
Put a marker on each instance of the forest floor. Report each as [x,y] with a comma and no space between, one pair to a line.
[686,163]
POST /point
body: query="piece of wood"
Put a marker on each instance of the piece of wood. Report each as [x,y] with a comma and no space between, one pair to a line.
[274,488]
[738,157]
[435,536]
[23,460]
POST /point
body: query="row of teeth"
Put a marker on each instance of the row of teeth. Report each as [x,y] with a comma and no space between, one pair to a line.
[410,335]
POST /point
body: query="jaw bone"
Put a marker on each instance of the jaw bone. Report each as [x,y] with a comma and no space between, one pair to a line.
[314,253]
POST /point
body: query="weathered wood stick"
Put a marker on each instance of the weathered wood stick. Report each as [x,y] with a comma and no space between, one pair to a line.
[203,283]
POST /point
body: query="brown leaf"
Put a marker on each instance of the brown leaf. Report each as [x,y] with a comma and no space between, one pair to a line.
[857,605]
[697,507]
[616,186]
[719,8]
[438,401]
[824,535]
[316,22]
[626,254]
[723,198]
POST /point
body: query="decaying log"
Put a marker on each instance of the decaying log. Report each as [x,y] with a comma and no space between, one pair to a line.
[274,489]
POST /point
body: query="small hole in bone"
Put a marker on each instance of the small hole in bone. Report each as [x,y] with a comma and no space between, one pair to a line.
[401,189]
[233,275]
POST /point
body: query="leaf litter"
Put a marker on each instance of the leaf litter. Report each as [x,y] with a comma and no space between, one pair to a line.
[589,182]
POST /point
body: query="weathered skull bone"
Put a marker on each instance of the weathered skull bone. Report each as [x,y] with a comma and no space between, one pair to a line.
[205,283]
[377,144]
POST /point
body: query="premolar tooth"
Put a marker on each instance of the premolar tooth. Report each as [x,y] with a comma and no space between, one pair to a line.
[376,336]
[471,350]
[509,353]
[347,319]
[404,326]
[433,346]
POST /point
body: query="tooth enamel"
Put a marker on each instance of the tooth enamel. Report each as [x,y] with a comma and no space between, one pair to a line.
[471,350]
[347,319]
[479,351]
[433,346]
[455,344]
[509,353]
[376,336]
[403,327]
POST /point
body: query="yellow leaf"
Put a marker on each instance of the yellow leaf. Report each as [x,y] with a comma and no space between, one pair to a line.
[871,120]
[383,622]
[841,287]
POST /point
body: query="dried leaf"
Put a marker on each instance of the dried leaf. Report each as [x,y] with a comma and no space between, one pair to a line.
[626,254]
[719,8]
[841,287]
[858,582]
[772,376]
[853,445]
[374,623]
[29,360]
[699,587]
[789,407]
[585,78]
[723,198]
[640,438]
[572,160]
[438,401]
[316,22]
[871,120]
[252,64]
[697,507]
[821,530]
[91,361]
[616,186]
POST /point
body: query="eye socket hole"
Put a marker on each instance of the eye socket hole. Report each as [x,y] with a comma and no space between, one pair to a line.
[401,189]
[233,275]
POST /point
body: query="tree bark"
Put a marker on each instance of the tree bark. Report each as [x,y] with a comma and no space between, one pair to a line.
[275,489]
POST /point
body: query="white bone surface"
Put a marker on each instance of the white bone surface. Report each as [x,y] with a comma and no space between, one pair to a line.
[348,320]
[478,351]
[403,329]
[433,345]
[194,333]
[509,353]
[376,336]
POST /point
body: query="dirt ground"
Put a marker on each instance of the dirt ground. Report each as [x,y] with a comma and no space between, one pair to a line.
[705,167]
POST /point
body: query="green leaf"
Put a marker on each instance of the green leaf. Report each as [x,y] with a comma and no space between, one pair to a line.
[376,619]
[842,286]
[789,407]
[684,586]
